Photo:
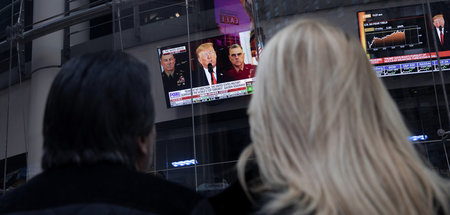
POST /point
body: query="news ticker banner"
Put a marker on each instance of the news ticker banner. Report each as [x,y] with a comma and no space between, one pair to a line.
[412,67]
[211,92]
[411,57]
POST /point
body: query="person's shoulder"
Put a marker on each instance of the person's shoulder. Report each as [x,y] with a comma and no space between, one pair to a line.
[235,200]
[165,195]
[114,185]
[149,179]
[85,208]
[180,74]
[231,71]
[25,196]
[249,66]
[232,200]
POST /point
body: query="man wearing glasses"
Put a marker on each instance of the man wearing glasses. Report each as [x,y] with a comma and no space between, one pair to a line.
[240,70]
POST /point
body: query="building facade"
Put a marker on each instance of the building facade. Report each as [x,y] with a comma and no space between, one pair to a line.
[203,126]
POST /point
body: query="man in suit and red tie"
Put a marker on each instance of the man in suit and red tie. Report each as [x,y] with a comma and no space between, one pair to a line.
[441,30]
[209,74]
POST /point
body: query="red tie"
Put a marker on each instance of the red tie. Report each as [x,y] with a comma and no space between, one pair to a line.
[442,37]
[213,78]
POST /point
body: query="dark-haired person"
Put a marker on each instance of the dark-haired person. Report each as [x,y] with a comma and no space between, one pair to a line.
[99,135]
[239,69]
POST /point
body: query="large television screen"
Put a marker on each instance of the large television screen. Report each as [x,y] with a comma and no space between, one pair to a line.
[399,40]
[217,68]
[213,68]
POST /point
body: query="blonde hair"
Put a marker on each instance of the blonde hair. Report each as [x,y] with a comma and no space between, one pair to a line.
[203,47]
[438,16]
[327,137]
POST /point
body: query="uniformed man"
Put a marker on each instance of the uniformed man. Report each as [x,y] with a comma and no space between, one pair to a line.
[239,69]
[173,80]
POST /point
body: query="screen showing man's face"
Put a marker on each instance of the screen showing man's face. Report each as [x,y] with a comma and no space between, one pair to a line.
[438,21]
[236,57]
[207,56]
[168,63]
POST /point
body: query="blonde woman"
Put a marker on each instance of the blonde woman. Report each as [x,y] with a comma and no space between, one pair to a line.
[327,137]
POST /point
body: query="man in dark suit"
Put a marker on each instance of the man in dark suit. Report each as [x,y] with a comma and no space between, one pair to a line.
[441,31]
[208,74]
[99,137]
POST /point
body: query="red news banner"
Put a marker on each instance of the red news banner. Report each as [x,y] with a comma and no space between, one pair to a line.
[210,92]
[409,57]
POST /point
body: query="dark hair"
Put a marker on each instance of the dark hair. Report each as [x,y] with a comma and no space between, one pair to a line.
[98,106]
[234,46]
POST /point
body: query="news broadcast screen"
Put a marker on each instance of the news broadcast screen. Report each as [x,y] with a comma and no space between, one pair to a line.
[396,42]
[220,67]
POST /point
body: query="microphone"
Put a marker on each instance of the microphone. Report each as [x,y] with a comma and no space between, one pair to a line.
[210,68]
[211,71]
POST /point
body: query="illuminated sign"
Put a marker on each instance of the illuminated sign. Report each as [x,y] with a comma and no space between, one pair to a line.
[228,19]
[184,163]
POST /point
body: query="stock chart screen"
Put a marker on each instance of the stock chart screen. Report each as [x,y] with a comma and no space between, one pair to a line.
[393,34]
[396,42]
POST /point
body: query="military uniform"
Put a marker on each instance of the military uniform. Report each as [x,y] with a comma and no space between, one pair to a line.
[247,72]
[179,80]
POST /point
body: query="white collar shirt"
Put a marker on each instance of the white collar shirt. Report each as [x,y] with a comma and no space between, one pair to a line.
[208,75]
[439,33]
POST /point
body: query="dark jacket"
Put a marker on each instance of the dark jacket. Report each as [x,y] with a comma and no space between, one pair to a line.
[234,200]
[199,78]
[180,80]
[100,189]
[446,45]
